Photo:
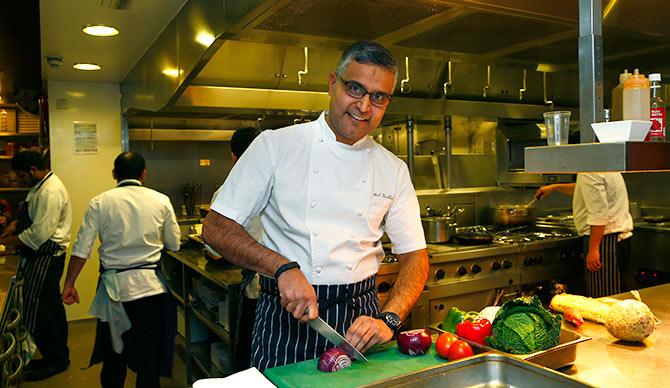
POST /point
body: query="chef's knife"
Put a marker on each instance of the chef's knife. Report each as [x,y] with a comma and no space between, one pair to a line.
[333,336]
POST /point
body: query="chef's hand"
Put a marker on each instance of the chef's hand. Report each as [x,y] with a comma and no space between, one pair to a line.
[366,332]
[543,192]
[70,295]
[9,230]
[297,295]
[593,260]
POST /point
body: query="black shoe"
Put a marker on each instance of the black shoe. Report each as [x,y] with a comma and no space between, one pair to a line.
[42,372]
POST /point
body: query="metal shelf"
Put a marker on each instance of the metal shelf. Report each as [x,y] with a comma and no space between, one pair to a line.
[16,189]
[598,157]
[19,134]
[202,359]
[203,316]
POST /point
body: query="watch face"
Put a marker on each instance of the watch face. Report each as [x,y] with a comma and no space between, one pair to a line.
[392,320]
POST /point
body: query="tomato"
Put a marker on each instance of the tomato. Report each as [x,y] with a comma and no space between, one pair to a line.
[459,349]
[444,342]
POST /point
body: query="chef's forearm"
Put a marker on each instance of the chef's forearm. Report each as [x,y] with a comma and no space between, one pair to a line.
[234,244]
[595,236]
[73,269]
[409,284]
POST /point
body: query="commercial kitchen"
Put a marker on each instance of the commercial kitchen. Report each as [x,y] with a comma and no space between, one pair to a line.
[175,79]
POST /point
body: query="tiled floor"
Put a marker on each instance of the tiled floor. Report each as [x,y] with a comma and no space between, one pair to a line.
[82,334]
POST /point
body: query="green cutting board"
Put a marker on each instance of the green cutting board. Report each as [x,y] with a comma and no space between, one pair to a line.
[385,362]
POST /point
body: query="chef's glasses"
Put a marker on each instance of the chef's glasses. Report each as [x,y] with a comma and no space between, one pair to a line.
[356,90]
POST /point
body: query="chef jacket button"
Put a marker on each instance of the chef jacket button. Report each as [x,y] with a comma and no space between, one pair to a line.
[318,269]
[367,149]
[353,235]
[316,170]
[364,180]
[350,267]
[320,140]
[359,212]
[312,204]
[316,233]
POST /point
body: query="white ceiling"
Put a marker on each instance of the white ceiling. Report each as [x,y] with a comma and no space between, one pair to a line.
[61,22]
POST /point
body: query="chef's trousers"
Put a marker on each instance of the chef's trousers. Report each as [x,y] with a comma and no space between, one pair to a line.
[147,320]
[280,339]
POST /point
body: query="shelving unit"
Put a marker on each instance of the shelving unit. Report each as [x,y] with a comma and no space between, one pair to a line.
[181,268]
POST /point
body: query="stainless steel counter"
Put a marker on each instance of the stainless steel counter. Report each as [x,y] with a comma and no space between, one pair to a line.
[451,252]
[218,271]
[607,362]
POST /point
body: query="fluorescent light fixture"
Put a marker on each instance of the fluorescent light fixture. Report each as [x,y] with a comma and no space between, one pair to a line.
[205,38]
[172,72]
[100,30]
[86,66]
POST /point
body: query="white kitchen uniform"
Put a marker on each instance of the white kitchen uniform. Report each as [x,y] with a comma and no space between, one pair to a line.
[134,223]
[602,199]
[51,214]
[323,203]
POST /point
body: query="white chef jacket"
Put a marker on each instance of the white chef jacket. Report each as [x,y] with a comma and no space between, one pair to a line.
[134,224]
[323,203]
[602,199]
[49,209]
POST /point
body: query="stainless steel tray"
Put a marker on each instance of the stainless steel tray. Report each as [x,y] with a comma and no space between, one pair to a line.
[559,356]
[484,370]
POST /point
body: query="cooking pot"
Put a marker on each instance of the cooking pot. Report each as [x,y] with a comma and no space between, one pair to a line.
[510,215]
[438,229]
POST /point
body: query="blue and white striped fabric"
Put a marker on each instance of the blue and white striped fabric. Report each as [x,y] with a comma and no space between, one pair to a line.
[614,257]
[280,339]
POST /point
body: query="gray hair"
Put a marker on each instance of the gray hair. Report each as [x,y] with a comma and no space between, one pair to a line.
[367,53]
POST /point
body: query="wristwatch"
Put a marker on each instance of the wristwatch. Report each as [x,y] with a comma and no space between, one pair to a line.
[392,320]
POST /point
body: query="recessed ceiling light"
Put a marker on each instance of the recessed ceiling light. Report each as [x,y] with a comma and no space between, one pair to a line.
[172,72]
[86,66]
[205,38]
[100,30]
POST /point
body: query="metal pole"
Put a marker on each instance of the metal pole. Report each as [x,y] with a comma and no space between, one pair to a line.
[447,136]
[410,146]
[590,67]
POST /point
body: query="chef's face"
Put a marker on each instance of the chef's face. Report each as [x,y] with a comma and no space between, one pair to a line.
[28,176]
[352,118]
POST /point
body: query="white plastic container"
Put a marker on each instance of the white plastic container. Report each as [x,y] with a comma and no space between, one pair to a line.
[636,97]
[621,131]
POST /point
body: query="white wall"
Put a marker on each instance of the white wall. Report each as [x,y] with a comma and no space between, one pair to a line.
[84,175]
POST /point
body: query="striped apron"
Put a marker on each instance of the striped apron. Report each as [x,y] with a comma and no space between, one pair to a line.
[614,257]
[280,339]
[35,266]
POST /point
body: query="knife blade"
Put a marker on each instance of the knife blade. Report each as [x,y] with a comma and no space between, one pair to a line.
[333,336]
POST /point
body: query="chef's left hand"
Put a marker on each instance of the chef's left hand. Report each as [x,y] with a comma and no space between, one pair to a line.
[593,260]
[366,332]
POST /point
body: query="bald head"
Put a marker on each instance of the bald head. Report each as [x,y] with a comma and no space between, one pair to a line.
[129,165]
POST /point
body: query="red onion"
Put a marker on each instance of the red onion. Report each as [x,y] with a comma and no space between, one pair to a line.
[333,360]
[414,342]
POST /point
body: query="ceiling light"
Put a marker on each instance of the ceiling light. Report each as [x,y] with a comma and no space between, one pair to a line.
[205,38]
[86,66]
[100,30]
[172,72]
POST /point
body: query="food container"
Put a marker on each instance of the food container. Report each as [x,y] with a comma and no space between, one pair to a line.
[511,215]
[483,370]
[561,355]
[620,131]
[438,229]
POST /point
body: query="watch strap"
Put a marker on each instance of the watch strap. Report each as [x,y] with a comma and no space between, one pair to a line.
[285,267]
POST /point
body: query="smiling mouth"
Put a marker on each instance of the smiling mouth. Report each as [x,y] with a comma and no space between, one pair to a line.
[358,118]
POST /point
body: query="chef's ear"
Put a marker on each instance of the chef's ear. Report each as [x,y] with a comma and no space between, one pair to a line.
[143,175]
[114,174]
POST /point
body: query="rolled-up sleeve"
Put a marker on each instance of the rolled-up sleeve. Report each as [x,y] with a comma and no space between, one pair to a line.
[171,232]
[595,198]
[247,188]
[88,231]
[47,206]
[403,221]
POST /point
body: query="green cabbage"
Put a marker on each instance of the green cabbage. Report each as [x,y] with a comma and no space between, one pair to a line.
[523,326]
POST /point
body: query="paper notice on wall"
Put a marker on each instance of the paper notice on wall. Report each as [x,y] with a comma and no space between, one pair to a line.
[85,138]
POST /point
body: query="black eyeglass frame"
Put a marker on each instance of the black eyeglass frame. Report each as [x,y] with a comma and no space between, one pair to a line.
[347,88]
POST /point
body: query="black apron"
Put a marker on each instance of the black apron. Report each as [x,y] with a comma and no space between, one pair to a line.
[614,256]
[34,265]
[280,339]
[103,342]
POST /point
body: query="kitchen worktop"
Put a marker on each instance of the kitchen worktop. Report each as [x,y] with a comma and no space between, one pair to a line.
[218,271]
[605,361]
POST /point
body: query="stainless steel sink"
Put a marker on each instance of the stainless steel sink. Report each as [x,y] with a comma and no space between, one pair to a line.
[484,370]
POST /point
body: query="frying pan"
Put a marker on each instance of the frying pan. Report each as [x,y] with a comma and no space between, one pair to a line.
[474,238]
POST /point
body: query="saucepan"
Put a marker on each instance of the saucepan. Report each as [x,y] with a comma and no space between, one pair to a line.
[438,226]
[510,215]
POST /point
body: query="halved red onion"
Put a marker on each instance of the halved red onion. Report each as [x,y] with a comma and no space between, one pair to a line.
[414,342]
[333,360]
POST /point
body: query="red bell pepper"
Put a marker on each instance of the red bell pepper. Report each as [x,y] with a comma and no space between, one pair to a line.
[474,330]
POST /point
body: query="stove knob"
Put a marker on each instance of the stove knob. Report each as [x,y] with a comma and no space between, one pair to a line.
[439,274]
[461,271]
[507,264]
[495,266]
[539,259]
[384,287]
[476,269]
